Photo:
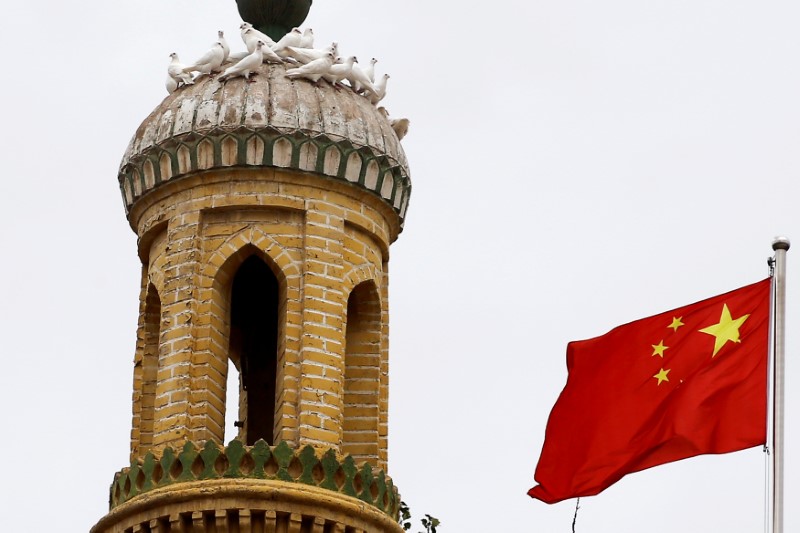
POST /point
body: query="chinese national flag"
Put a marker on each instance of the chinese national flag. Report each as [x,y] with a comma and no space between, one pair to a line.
[683,383]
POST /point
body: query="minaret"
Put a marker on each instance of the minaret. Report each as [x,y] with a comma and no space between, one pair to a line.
[264,213]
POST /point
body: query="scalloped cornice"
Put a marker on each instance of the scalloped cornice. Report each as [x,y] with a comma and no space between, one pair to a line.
[306,465]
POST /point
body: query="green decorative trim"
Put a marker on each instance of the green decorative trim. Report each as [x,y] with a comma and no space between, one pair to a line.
[308,151]
[306,465]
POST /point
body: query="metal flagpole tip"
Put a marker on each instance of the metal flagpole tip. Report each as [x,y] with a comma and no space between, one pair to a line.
[780,243]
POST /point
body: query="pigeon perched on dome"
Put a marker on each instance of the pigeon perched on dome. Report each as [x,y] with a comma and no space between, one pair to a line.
[248,65]
[176,77]
[307,55]
[380,90]
[399,125]
[260,36]
[312,71]
[221,40]
[251,38]
[340,71]
[307,40]
[210,62]
[370,70]
[360,79]
[293,38]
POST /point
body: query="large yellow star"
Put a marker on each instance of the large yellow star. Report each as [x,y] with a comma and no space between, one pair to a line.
[658,349]
[662,376]
[676,323]
[726,330]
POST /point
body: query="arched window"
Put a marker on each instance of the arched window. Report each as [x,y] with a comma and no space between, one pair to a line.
[254,347]
[362,374]
[148,372]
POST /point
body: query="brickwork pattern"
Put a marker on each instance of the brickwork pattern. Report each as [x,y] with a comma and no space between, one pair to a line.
[146,368]
[322,240]
[360,415]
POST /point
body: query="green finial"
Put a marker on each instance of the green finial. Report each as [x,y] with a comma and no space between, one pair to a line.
[276,18]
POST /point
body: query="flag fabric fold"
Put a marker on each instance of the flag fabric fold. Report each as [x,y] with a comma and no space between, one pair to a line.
[682,383]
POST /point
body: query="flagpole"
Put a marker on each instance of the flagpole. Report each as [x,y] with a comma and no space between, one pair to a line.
[780,245]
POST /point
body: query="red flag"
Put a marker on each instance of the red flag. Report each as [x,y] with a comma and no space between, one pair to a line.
[683,383]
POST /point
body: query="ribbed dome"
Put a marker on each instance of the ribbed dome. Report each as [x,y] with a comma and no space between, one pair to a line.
[269,122]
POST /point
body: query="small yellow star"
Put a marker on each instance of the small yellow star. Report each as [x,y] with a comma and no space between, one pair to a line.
[662,376]
[726,330]
[676,323]
[658,349]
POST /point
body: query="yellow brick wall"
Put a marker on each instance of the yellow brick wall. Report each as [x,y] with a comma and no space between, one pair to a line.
[360,413]
[322,239]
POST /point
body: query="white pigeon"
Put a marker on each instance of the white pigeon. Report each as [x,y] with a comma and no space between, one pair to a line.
[339,71]
[399,125]
[312,71]
[359,81]
[210,62]
[175,73]
[268,56]
[221,40]
[250,42]
[246,66]
[380,90]
[370,70]
[307,55]
[171,84]
[250,38]
[261,35]
[307,40]
[293,38]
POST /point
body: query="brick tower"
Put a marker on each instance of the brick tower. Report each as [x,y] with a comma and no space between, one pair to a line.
[264,213]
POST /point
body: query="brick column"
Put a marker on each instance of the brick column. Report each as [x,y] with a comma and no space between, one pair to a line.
[322,342]
[175,364]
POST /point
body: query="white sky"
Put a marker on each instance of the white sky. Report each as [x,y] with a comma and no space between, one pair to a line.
[576,165]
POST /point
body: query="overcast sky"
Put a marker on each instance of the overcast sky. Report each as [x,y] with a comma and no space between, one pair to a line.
[576,165]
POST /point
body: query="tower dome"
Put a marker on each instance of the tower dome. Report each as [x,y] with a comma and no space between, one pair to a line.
[270,121]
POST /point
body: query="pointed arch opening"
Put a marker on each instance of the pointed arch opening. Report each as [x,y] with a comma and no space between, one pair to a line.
[148,370]
[360,411]
[253,346]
